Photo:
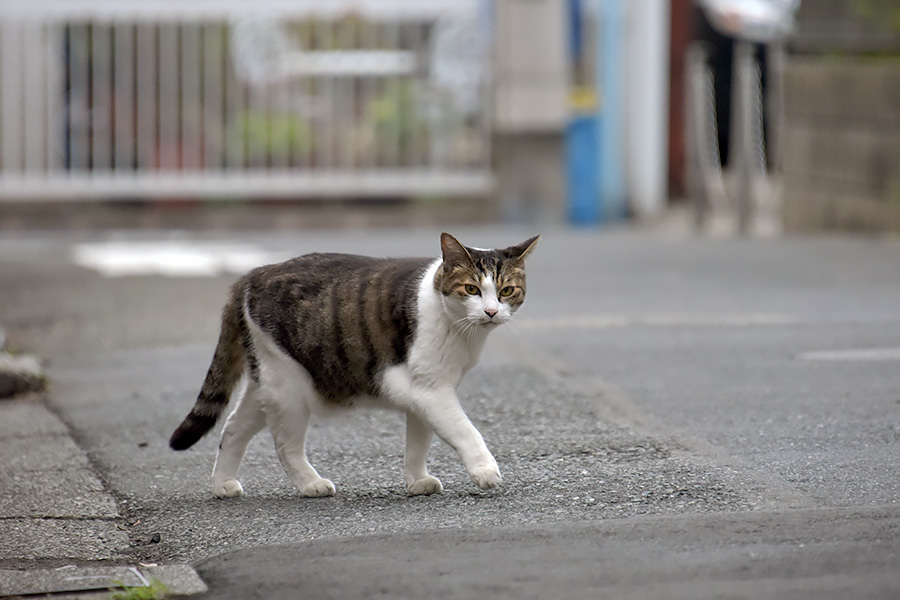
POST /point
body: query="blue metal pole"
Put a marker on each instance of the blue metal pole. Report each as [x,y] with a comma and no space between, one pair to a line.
[611,115]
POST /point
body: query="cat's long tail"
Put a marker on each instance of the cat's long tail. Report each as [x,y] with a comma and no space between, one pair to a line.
[224,373]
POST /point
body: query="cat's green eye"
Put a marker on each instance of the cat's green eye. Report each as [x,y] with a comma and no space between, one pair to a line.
[472,290]
[507,291]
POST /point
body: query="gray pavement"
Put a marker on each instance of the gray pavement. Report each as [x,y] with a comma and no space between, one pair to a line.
[819,553]
[674,418]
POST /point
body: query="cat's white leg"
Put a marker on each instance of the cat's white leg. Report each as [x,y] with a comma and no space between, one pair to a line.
[285,388]
[288,417]
[418,440]
[244,422]
[440,409]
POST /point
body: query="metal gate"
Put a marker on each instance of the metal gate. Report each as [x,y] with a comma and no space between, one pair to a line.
[229,98]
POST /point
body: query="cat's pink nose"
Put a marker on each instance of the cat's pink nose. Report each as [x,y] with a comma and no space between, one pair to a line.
[490,312]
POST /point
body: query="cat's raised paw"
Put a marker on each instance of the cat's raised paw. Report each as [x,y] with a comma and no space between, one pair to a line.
[317,489]
[487,477]
[230,488]
[425,486]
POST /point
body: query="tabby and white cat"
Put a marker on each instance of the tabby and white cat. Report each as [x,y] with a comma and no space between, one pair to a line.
[324,331]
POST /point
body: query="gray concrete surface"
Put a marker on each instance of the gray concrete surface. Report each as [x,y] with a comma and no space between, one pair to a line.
[663,405]
[819,553]
[52,504]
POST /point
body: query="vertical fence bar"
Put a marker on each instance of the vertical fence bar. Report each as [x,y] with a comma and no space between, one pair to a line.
[235,120]
[366,124]
[191,115]
[124,97]
[55,106]
[34,97]
[324,102]
[79,100]
[348,136]
[258,121]
[395,96]
[4,85]
[380,113]
[436,103]
[415,42]
[11,103]
[169,144]
[308,106]
[282,124]
[146,97]
[101,92]
[213,95]
[287,99]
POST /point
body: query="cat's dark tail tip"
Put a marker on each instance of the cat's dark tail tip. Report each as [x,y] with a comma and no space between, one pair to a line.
[190,431]
[181,442]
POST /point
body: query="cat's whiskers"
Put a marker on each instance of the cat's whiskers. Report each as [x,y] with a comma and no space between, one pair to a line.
[473,327]
[513,322]
[458,327]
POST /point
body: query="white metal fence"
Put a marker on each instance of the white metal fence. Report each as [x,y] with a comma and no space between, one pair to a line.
[232,98]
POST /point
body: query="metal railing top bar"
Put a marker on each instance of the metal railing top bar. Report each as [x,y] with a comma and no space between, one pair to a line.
[201,10]
[321,185]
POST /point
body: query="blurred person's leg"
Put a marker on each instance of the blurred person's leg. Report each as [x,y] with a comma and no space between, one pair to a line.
[719,57]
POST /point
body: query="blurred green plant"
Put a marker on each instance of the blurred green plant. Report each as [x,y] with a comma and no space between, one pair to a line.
[268,139]
[395,116]
[881,11]
[157,590]
[394,109]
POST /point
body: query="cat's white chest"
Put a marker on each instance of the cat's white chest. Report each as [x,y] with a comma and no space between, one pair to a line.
[445,361]
[442,351]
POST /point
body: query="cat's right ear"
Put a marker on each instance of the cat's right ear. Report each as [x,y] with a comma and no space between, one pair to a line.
[453,251]
[522,250]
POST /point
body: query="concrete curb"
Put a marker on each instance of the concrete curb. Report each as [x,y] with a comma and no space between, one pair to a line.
[80,582]
[53,506]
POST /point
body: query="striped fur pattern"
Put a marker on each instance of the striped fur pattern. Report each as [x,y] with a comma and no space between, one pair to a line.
[325,331]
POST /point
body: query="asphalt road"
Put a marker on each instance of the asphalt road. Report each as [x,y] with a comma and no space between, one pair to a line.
[673,417]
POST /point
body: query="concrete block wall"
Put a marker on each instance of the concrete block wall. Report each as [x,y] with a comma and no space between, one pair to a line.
[841,145]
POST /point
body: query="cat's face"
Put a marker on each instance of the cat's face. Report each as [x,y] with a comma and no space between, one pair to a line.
[482,287]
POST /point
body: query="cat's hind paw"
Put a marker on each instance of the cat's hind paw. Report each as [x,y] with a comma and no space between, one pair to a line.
[426,486]
[318,488]
[487,477]
[230,488]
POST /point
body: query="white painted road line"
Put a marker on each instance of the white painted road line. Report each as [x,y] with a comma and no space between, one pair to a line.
[607,321]
[854,354]
[171,258]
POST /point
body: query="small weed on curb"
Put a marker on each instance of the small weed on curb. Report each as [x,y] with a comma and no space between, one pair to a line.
[157,590]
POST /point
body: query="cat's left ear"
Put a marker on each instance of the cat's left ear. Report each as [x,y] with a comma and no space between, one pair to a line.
[522,250]
[453,251]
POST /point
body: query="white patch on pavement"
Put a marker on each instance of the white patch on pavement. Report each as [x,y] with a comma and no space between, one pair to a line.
[171,258]
[854,354]
[607,321]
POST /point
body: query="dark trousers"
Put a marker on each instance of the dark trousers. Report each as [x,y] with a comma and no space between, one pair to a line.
[720,58]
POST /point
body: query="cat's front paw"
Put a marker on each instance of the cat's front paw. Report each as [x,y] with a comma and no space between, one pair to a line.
[318,488]
[230,488]
[425,486]
[486,477]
